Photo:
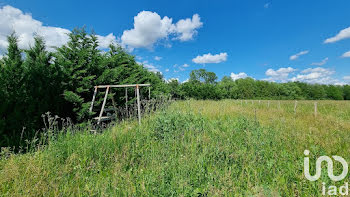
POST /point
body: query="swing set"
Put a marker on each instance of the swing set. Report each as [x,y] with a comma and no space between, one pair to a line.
[102,118]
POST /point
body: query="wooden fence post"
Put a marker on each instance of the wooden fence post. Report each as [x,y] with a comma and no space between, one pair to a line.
[255,114]
[295,107]
[138,103]
[268,104]
[279,104]
[315,110]
[126,99]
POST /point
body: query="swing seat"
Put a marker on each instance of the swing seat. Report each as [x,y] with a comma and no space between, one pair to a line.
[105,118]
[109,110]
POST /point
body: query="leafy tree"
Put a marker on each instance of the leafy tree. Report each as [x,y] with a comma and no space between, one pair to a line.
[201,85]
[346,94]
[227,88]
[289,91]
[203,76]
[334,92]
[264,89]
[317,92]
[175,91]
[246,88]
[305,90]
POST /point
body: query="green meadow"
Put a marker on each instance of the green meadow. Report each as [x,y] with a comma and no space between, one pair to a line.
[190,148]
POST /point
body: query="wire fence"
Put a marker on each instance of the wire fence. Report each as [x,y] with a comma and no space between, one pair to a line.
[301,107]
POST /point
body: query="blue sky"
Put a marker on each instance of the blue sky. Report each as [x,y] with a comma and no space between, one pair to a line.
[243,38]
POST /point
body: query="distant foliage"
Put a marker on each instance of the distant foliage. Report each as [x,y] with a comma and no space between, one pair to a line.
[204,85]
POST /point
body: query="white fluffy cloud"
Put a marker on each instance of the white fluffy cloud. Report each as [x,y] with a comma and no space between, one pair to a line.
[310,75]
[176,79]
[346,54]
[186,28]
[296,56]
[318,69]
[13,19]
[172,79]
[149,66]
[105,41]
[240,75]
[323,62]
[281,74]
[209,58]
[157,58]
[316,75]
[149,28]
[186,80]
[179,68]
[347,78]
[343,34]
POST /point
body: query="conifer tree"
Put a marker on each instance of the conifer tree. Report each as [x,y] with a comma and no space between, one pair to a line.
[80,59]
[13,94]
[42,84]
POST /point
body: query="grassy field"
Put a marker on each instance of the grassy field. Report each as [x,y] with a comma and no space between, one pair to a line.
[193,148]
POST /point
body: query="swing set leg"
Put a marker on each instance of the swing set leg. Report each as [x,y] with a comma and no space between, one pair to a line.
[103,106]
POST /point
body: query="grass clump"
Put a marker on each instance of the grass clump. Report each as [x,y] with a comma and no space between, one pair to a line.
[176,124]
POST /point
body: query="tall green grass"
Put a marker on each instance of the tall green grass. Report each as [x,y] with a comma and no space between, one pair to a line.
[193,148]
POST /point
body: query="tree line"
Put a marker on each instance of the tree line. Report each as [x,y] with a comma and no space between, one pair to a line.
[37,80]
[204,85]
